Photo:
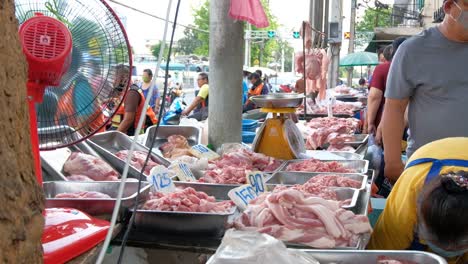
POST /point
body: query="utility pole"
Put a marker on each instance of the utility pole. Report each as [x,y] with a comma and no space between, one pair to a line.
[282,58]
[351,39]
[225,110]
[334,38]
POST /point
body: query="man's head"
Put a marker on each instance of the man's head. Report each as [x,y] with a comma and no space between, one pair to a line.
[456,18]
[122,75]
[202,79]
[147,75]
[254,77]
[362,82]
[259,72]
[388,53]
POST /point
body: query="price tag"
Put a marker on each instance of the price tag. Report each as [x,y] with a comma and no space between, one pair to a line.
[183,172]
[201,151]
[257,181]
[242,195]
[160,179]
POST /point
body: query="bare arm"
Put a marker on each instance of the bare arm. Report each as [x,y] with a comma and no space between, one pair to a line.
[194,104]
[392,131]
[127,122]
[373,103]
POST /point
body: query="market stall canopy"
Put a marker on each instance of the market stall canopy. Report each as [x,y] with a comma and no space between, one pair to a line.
[359,59]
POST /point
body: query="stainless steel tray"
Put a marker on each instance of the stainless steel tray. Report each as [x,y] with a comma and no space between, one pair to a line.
[278,100]
[370,256]
[111,142]
[345,155]
[358,140]
[291,178]
[220,191]
[52,161]
[93,206]
[187,223]
[193,135]
[360,166]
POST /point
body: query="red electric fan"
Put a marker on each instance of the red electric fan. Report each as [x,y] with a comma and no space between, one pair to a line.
[78,55]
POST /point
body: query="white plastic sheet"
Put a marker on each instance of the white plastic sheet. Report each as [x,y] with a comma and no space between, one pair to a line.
[254,248]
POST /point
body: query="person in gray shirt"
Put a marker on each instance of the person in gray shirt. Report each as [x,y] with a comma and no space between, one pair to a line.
[429,75]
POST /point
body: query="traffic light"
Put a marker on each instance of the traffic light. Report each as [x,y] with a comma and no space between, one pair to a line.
[296,34]
[271,33]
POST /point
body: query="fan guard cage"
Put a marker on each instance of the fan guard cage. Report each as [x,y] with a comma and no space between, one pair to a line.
[86,98]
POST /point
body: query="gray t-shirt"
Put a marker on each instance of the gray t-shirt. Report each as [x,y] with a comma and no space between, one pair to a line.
[432,72]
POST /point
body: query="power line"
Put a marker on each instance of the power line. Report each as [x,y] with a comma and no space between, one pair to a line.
[160,18]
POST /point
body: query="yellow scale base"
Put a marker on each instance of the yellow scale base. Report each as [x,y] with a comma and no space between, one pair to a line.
[273,141]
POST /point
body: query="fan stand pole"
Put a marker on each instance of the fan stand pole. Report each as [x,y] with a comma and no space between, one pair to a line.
[35,94]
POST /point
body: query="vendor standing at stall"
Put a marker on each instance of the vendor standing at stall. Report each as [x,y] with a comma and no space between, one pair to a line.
[428,75]
[128,115]
[428,207]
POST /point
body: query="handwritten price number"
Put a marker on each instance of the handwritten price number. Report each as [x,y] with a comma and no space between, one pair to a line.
[242,195]
[256,180]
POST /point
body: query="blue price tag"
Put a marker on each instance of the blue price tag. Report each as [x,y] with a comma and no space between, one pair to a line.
[160,179]
[242,195]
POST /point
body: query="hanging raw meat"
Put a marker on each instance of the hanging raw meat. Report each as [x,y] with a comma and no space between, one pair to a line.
[250,11]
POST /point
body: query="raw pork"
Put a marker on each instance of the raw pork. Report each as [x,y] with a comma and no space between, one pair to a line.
[323,186]
[232,167]
[138,159]
[79,178]
[176,146]
[83,195]
[87,165]
[314,165]
[330,130]
[186,200]
[292,217]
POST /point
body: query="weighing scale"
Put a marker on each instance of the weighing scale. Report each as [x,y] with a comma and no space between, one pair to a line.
[279,136]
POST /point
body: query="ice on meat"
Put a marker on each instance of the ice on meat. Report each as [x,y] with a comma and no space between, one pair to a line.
[291,216]
[138,159]
[87,165]
[314,165]
[83,195]
[388,260]
[176,146]
[232,167]
[186,200]
[79,178]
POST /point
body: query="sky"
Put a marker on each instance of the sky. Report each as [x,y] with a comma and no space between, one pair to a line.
[141,28]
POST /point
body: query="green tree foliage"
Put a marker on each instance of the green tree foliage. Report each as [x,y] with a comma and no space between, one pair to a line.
[156,48]
[202,21]
[263,50]
[189,43]
[375,17]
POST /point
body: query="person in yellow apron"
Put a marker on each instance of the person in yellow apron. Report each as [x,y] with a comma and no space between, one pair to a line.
[427,208]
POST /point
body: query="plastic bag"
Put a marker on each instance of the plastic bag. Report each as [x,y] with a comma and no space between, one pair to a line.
[375,156]
[248,247]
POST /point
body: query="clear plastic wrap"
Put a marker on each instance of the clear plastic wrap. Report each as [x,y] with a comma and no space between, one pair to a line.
[254,248]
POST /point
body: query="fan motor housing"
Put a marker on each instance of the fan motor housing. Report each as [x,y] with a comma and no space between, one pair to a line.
[47,45]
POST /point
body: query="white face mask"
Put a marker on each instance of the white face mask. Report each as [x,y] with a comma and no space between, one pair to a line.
[462,18]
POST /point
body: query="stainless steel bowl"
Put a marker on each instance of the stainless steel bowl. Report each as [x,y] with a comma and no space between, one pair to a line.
[278,100]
